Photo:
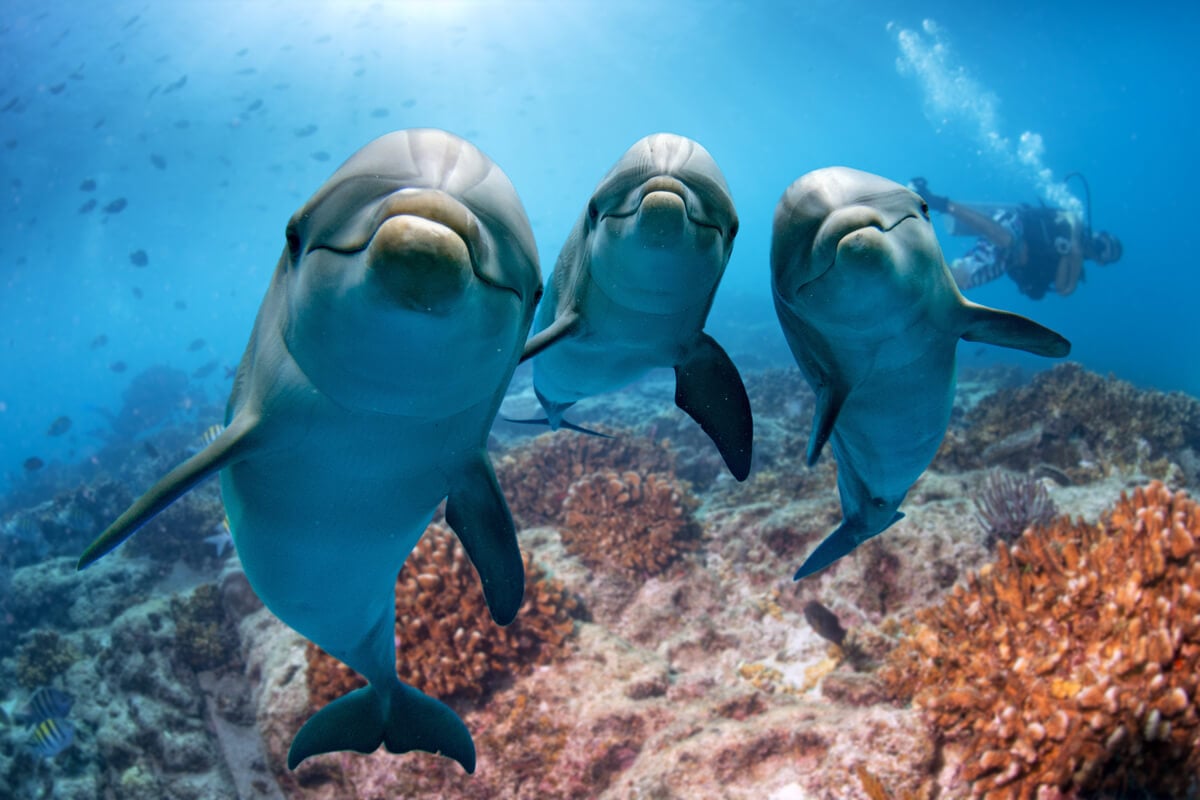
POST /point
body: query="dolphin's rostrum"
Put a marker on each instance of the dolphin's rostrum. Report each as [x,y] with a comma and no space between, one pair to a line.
[872,316]
[391,328]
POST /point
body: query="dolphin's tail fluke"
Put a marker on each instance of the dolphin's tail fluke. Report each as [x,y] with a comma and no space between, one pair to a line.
[362,720]
[562,423]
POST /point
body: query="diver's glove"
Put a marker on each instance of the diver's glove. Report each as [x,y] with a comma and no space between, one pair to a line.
[936,202]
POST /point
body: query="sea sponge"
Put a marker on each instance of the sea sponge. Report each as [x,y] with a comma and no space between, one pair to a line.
[622,521]
[1071,663]
[446,642]
[536,475]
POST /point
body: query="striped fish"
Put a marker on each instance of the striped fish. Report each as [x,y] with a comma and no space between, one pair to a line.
[46,703]
[210,434]
[51,737]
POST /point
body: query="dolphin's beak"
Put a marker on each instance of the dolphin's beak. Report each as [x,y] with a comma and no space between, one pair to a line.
[418,263]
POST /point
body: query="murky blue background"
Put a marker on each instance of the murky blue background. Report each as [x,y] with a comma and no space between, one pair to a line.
[277,94]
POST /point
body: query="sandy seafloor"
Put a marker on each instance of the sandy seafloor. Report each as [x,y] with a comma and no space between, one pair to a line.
[705,680]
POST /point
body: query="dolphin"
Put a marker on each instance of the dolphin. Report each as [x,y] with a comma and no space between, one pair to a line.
[633,286]
[377,363]
[873,317]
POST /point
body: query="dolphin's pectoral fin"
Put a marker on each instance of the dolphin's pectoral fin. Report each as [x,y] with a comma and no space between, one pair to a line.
[710,390]
[1005,329]
[356,721]
[837,544]
[562,326]
[230,446]
[830,398]
[477,512]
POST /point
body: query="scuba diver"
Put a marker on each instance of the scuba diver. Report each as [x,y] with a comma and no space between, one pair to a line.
[1039,247]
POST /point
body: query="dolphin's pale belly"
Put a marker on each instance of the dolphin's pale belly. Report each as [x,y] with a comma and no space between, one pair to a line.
[323,528]
[893,422]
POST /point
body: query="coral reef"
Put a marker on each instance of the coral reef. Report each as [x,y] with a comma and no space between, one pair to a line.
[535,475]
[1072,663]
[1007,504]
[446,642]
[1079,422]
[622,521]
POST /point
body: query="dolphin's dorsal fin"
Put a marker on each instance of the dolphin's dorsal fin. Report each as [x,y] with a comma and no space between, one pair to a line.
[227,448]
[830,398]
[562,327]
[710,390]
[478,514]
[1005,329]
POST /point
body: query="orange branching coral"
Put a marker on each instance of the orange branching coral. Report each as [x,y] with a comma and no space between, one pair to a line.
[536,475]
[1072,662]
[446,641]
[625,521]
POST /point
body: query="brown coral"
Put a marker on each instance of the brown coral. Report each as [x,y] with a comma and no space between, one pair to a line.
[536,475]
[43,656]
[203,639]
[446,642]
[1073,661]
[627,522]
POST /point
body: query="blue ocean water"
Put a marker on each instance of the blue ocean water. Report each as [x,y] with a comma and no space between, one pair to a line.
[214,121]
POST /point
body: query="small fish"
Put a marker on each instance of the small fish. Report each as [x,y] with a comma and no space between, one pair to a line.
[242,52]
[824,622]
[179,84]
[320,155]
[158,161]
[24,529]
[230,372]
[88,206]
[197,344]
[307,130]
[255,106]
[150,449]
[57,88]
[181,305]
[247,71]
[139,258]
[51,737]
[33,464]
[88,185]
[206,369]
[130,21]
[379,113]
[222,538]
[59,426]
[116,206]
[99,341]
[409,103]
[137,293]
[78,520]
[45,703]
[183,124]
[118,366]
[210,434]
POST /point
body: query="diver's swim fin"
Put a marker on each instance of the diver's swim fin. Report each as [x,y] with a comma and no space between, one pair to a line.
[355,722]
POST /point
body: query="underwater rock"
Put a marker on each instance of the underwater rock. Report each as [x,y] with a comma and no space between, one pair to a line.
[1078,421]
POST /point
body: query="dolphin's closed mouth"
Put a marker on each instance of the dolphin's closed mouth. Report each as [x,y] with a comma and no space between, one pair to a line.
[429,204]
[664,183]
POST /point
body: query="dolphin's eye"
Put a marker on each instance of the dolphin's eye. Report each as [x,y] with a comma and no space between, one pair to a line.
[925,210]
[733,230]
[593,212]
[293,241]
